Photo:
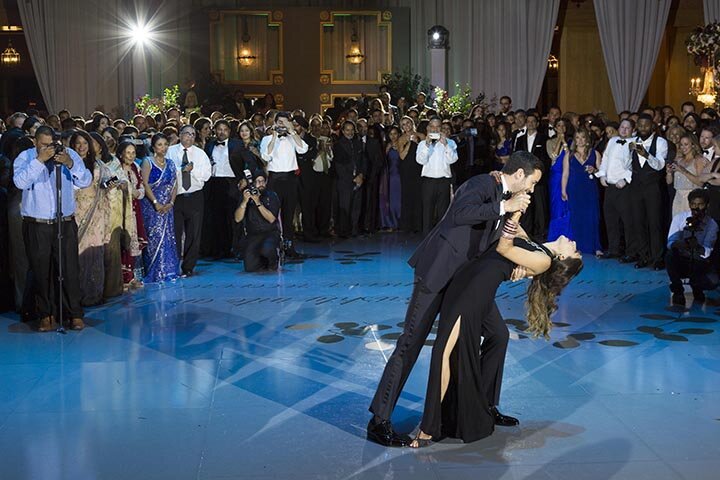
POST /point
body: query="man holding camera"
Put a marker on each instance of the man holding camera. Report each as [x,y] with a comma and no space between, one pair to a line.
[259,209]
[280,150]
[690,244]
[34,174]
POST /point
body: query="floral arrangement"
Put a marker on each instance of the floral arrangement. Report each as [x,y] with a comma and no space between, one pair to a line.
[406,84]
[147,105]
[703,43]
[462,102]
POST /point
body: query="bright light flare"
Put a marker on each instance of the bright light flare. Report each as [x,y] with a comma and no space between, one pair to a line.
[141,34]
[436,36]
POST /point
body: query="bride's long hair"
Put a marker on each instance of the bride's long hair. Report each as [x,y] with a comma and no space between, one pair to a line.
[543,291]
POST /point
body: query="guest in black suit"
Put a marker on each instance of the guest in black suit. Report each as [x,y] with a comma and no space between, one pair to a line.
[468,228]
[537,218]
[349,172]
[221,193]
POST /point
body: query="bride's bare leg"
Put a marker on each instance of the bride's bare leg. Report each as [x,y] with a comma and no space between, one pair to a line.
[422,438]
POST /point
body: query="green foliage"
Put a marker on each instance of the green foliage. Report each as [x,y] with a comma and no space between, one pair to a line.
[406,84]
[462,102]
[147,105]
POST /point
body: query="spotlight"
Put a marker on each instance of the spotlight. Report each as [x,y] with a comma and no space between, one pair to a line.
[141,34]
[438,37]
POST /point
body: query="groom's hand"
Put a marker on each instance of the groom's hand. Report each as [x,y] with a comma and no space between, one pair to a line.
[519,273]
[517,203]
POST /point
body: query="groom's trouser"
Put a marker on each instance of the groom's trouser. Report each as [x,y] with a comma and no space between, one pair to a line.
[492,354]
[423,308]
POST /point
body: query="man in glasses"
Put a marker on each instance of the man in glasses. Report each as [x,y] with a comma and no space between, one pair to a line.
[193,170]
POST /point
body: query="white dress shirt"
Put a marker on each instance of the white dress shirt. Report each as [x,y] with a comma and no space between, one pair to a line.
[283,157]
[201,171]
[322,157]
[657,161]
[709,154]
[436,158]
[221,158]
[617,161]
[531,141]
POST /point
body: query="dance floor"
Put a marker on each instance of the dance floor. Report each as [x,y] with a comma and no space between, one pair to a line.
[228,375]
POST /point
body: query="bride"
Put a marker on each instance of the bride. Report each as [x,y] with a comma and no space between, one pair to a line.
[464,387]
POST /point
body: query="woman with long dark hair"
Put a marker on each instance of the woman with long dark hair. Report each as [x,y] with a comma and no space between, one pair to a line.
[91,215]
[203,127]
[134,225]
[410,177]
[391,184]
[463,388]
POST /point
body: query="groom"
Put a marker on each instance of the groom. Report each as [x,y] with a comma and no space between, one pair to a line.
[470,225]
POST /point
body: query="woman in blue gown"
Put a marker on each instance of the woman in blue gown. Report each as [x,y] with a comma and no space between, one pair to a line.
[557,148]
[160,255]
[390,184]
[580,190]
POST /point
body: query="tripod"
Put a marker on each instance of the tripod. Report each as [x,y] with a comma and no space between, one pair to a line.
[59,226]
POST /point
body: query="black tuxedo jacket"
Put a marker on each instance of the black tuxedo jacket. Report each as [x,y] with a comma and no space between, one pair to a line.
[234,146]
[348,158]
[521,145]
[374,157]
[466,230]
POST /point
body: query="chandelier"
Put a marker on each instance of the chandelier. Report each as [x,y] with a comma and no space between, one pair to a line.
[706,94]
[354,55]
[10,56]
[246,57]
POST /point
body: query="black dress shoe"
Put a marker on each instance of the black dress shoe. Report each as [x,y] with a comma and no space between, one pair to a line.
[383,433]
[608,256]
[641,264]
[659,265]
[503,420]
[628,259]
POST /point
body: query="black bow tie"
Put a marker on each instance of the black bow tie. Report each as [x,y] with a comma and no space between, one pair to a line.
[621,142]
[220,144]
[507,195]
[705,152]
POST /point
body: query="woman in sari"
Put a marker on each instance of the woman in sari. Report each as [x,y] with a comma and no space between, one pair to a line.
[160,182]
[133,218]
[91,215]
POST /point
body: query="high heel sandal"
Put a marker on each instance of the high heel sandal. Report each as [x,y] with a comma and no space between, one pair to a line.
[418,442]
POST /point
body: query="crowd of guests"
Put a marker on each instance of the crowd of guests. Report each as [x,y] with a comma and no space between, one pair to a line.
[146,198]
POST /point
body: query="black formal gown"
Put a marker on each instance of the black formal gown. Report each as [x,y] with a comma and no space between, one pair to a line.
[474,379]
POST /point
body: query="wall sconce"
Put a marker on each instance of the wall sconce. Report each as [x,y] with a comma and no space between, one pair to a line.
[553,63]
[354,55]
[246,57]
[10,56]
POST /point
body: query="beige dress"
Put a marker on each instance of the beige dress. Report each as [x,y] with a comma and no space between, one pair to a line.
[114,235]
[683,187]
[91,215]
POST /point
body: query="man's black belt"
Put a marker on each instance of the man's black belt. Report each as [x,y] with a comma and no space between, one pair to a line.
[45,221]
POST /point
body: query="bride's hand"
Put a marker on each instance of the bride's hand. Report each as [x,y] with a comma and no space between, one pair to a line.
[519,273]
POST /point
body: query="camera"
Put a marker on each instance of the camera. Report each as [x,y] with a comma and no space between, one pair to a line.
[251,185]
[434,136]
[692,224]
[472,132]
[281,131]
[109,181]
[59,147]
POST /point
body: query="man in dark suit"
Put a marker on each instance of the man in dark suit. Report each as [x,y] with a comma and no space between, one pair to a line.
[349,172]
[221,193]
[374,161]
[470,225]
[537,217]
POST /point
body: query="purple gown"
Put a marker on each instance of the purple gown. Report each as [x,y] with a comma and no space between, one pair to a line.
[160,255]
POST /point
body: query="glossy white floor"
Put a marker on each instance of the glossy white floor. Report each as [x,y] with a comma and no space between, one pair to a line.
[230,375]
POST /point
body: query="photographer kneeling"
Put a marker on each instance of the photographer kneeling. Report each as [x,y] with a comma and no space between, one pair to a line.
[690,243]
[259,208]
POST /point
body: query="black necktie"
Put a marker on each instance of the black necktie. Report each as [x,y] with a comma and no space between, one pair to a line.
[507,195]
[185,175]
[220,144]
[621,142]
